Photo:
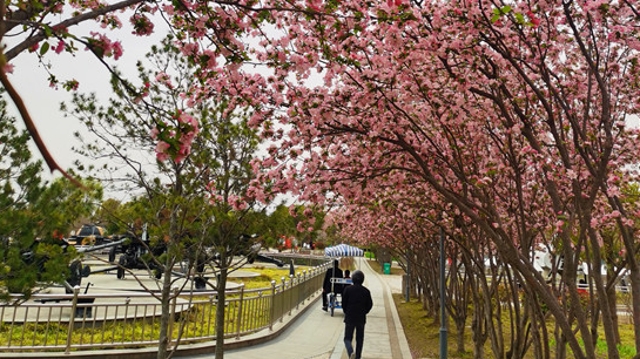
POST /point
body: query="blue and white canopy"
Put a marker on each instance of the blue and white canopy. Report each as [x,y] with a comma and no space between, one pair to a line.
[343,250]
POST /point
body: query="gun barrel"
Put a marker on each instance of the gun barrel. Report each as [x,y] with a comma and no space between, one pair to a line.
[260,257]
[101,246]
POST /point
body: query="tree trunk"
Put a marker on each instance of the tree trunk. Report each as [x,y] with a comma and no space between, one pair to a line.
[460,325]
[220,307]
[634,276]
[613,309]
[478,334]
[165,318]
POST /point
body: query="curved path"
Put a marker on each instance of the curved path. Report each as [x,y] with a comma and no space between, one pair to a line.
[314,334]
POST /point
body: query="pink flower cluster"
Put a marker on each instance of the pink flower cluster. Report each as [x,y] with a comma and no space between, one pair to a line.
[106,46]
[7,68]
[60,47]
[174,142]
[142,26]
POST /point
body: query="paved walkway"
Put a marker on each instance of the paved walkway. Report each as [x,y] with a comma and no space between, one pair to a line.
[314,334]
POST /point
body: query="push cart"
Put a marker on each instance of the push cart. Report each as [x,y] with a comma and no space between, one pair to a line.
[335,296]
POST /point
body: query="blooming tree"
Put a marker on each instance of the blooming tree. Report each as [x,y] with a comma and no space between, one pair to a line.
[191,176]
[513,114]
[47,27]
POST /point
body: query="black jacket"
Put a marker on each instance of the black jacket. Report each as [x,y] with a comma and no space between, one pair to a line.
[356,303]
[326,284]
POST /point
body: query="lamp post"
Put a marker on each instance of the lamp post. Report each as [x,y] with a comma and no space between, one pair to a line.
[407,284]
[443,312]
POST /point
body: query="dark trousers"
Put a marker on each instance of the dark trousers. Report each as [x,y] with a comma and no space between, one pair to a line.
[348,338]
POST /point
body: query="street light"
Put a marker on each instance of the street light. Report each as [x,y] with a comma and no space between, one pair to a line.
[407,284]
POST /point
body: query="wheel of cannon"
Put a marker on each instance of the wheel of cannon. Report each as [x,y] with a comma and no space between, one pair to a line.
[75,274]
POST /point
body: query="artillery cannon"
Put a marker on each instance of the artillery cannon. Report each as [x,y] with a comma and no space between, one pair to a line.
[254,255]
[136,254]
[77,270]
[141,253]
[245,248]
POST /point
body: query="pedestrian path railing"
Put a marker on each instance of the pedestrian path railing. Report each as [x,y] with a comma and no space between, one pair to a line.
[78,321]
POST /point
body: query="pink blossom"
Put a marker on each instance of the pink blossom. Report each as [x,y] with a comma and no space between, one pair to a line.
[103,46]
[117,50]
[161,150]
[71,85]
[60,47]
[533,19]
[162,77]
[161,156]
[189,120]
[183,151]
[168,9]
[7,68]
[142,26]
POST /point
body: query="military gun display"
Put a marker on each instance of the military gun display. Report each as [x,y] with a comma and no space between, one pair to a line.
[254,255]
[139,253]
[245,248]
[77,270]
[136,252]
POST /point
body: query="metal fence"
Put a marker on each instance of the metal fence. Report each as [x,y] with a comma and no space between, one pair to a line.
[75,322]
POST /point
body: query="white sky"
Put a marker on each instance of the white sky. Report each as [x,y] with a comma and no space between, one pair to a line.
[43,102]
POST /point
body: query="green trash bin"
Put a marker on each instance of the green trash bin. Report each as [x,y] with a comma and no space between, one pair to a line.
[386,268]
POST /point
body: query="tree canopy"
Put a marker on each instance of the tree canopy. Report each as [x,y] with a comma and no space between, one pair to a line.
[505,120]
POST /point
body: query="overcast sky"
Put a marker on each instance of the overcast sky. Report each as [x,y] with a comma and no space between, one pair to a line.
[43,102]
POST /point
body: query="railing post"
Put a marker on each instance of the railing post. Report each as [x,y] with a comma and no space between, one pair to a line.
[283,294]
[299,285]
[127,301]
[304,286]
[239,321]
[74,306]
[273,304]
[290,293]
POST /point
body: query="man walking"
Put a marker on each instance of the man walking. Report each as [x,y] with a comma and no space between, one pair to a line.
[327,286]
[356,304]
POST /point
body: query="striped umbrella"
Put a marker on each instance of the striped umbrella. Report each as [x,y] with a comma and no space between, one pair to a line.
[343,250]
